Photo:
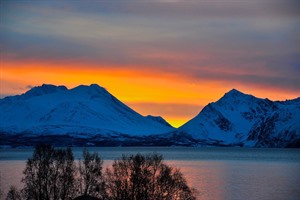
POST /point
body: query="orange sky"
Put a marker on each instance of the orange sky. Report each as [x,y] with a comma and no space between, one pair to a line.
[174,97]
[167,58]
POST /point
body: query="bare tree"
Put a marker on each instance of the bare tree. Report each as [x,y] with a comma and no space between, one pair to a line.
[139,177]
[49,174]
[13,194]
[62,177]
[91,181]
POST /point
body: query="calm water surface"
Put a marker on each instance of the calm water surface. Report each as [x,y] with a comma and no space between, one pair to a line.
[217,173]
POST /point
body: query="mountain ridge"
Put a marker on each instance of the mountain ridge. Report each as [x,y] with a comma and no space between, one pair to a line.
[239,118]
[91,115]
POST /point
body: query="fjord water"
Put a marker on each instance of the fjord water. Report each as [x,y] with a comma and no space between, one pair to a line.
[217,173]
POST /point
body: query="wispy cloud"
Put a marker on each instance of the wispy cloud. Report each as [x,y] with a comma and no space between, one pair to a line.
[246,43]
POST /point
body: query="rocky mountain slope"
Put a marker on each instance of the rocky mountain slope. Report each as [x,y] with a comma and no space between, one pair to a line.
[244,120]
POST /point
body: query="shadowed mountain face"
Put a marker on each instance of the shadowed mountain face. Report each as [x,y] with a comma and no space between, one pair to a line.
[89,115]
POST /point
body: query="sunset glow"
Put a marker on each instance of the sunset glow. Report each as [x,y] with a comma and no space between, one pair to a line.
[160,58]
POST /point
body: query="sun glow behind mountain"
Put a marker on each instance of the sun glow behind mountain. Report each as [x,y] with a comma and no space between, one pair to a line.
[175,98]
[161,58]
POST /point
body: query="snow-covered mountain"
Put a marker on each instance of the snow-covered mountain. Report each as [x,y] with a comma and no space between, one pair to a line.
[241,119]
[89,115]
[83,111]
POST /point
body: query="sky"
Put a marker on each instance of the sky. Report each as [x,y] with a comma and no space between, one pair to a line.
[160,57]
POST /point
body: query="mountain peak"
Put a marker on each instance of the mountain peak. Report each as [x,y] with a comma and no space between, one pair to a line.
[86,109]
[44,89]
[92,89]
[97,87]
[234,96]
[94,85]
[234,93]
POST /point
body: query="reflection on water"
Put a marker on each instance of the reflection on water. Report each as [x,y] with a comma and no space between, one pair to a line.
[217,174]
[11,173]
[220,180]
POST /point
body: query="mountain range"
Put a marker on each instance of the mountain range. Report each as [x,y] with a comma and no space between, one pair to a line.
[91,116]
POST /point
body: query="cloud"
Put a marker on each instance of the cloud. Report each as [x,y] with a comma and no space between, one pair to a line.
[166,109]
[235,42]
[181,8]
[11,87]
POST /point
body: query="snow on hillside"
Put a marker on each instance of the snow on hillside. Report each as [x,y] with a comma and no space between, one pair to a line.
[90,115]
[241,118]
[50,109]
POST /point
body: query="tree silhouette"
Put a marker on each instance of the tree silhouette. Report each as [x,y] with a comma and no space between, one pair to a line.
[141,177]
[13,194]
[91,180]
[49,174]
